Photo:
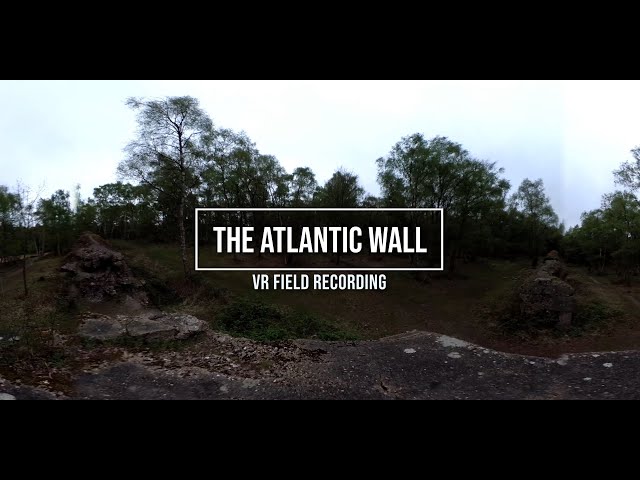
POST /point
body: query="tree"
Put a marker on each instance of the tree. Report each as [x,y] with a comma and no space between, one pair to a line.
[166,154]
[56,217]
[621,215]
[422,173]
[9,213]
[403,174]
[440,173]
[591,241]
[342,190]
[122,210]
[537,214]
[628,175]
[236,174]
[611,232]
[302,186]
[479,196]
[86,217]
[26,219]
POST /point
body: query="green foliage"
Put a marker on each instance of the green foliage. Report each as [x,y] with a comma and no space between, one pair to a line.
[167,154]
[595,314]
[302,186]
[628,175]
[531,200]
[56,219]
[262,321]
[9,218]
[342,190]
[534,220]
[441,173]
[608,235]
[181,161]
[591,314]
[122,210]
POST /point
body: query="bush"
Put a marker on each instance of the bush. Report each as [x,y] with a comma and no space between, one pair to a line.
[594,314]
[255,319]
[589,317]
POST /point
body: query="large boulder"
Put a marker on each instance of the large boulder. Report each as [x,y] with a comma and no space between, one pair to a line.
[101,327]
[99,274]
[545,297]
[151,327]
[97,271]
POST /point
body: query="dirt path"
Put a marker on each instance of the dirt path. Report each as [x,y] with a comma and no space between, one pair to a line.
[16,271]
[634,300]
[628,296]
[414,365]
[11,273]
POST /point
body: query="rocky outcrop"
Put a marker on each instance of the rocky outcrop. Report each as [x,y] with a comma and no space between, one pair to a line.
[98,274]
[414,365]
[97,271]
[545,297]
[150,327]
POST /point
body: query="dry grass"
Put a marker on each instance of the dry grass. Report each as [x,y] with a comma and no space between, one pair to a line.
[437,304]
[460,307]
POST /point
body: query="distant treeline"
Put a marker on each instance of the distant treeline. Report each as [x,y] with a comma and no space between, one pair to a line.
[180,160]
[610,235]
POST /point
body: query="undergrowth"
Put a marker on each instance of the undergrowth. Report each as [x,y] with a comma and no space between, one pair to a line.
[255,319]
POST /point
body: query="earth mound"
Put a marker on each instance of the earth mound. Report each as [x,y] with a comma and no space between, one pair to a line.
[98,274]
[546,297]
[97,271]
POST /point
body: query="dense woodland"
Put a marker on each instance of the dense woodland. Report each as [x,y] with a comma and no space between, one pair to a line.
[179,160]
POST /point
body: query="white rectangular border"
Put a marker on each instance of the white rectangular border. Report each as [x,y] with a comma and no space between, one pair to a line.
[305,269]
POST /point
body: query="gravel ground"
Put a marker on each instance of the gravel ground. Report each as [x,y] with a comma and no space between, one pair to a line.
[413,365]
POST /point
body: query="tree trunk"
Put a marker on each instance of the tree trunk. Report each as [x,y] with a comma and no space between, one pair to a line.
[183,236]
[452,262]
[413,258]
[25,250]
[24,274]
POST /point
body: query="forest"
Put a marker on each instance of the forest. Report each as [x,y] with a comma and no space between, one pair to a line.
[87,284]
[179,160]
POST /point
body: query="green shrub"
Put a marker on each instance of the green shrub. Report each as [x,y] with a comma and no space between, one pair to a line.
[255,319]
[594,314]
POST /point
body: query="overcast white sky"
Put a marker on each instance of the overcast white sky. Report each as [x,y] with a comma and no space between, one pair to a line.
[570,133]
